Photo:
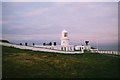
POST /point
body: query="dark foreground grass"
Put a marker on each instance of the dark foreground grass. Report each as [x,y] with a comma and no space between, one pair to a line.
[32,64]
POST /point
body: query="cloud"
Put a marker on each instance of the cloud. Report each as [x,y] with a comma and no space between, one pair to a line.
[60,0]
[80,38]
[31,37]
[35,12]
[46,20]
[3,22]
[8,19]
[0,21]
[11,17]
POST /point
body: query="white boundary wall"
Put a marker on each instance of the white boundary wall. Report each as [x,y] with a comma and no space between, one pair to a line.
[107,52]
[38,48]
[56,51]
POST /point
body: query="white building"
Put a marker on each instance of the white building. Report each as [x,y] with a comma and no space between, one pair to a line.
[79,48]
[65,46]
[65,42]
[64,38]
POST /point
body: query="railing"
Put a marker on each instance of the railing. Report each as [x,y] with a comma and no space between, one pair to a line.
[53,50]
[107,52]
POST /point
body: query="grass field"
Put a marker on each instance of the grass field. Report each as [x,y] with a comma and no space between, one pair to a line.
[32,64]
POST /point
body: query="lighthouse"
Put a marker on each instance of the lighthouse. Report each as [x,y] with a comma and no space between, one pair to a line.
[64,41]
[64,38]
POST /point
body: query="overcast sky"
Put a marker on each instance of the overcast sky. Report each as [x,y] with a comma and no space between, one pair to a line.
[45,21]
[59,0]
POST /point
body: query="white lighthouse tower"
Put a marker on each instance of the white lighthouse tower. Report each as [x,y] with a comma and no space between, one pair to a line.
[64,40]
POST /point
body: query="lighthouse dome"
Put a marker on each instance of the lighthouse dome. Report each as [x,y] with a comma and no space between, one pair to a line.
[64,31]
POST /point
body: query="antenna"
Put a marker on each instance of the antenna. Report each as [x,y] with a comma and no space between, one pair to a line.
[97,44]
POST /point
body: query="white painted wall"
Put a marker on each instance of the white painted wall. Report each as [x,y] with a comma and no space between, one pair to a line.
[39,48]
[108,52]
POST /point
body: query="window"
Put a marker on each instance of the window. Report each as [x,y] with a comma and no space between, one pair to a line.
[65,35]
[64,48]
[80,48]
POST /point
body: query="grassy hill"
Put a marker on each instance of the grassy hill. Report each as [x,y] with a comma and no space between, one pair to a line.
[5,41]
[32,64]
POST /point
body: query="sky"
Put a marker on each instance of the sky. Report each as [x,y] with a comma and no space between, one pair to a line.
[59,0]
[44,21]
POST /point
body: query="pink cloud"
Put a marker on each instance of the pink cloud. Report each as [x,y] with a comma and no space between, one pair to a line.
[31,37]
[11,17]
[36,12]
[2,22]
